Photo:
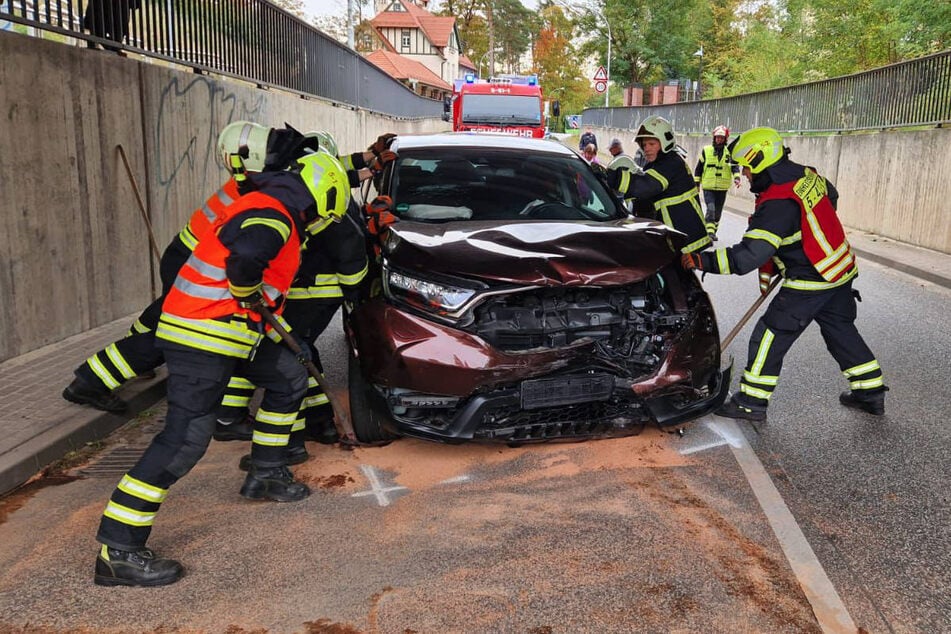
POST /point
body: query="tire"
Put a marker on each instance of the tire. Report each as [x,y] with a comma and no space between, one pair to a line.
[368,421]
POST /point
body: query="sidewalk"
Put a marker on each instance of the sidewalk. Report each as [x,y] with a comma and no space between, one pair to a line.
[38,427]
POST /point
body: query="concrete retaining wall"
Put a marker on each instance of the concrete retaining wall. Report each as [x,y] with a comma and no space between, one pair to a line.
[894,183]
[73,242]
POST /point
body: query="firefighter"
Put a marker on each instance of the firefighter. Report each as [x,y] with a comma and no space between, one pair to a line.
[210,326]
[333,268]
[794,232]
[713,173]
[665,191]
[258,149]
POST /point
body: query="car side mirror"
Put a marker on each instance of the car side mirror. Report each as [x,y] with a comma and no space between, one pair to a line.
[555,108]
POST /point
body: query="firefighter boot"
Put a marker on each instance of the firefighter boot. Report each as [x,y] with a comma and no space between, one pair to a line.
[240,430]
[135,568]
[81,392]
[732,409]
[295,455]
[873,403]
[273,483]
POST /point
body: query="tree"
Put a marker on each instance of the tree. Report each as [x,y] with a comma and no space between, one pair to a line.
[556,60]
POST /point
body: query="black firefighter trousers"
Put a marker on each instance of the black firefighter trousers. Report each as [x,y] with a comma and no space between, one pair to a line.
[788,316]
[196,382]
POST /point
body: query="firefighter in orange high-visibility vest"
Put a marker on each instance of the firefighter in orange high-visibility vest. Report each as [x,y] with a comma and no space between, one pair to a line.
[794,232]
[211,328]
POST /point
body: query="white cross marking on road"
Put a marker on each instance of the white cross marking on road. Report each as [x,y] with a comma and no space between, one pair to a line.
[725,436]
[376,488]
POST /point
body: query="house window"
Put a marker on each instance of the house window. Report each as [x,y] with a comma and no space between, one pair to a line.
[404,40]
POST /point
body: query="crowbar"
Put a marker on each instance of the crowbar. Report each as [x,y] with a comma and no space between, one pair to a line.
[348,438]
[746,317]
[138,198]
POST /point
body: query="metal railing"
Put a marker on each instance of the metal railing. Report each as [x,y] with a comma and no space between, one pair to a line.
[912,93]
[248,39]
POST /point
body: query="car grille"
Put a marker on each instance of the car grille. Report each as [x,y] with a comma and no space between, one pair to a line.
[582,420]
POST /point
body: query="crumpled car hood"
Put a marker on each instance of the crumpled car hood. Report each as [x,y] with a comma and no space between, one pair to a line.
[536,252]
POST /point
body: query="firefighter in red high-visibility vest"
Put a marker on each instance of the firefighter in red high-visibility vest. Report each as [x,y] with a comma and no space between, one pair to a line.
[794,232]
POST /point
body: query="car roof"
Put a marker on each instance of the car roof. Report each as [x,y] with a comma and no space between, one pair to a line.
[480,140]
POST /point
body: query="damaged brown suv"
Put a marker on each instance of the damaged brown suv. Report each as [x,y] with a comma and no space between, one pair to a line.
[519,302]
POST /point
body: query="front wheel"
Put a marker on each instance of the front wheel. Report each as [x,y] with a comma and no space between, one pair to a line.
[367,420]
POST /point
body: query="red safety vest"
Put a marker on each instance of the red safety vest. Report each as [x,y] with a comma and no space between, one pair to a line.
[823,238]
[201,289]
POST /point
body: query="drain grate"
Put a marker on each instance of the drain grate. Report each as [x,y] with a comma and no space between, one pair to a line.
[114,463]
[118,460]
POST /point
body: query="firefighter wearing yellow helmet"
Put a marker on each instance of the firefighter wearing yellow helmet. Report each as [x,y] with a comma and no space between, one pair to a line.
[665,191]
[713,174]
[211,329]
[794,232]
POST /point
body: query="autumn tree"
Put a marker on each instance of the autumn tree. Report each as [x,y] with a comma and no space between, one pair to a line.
[557,61]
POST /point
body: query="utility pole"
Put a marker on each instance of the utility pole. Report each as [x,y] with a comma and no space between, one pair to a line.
[488,13]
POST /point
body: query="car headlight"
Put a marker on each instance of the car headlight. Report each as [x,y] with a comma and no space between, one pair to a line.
[437,297]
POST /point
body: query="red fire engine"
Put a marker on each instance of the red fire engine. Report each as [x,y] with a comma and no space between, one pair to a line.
[510,104]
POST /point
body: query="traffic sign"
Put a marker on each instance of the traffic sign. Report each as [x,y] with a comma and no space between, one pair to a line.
[600,86]
[600,75]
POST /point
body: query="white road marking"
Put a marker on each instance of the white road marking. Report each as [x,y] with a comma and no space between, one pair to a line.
[456,480]
[726,437]
[831,613]
[376,487]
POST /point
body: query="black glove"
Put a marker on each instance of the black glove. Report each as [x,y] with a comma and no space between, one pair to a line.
[249,297]
[382,143]
[691,261]
[305,355]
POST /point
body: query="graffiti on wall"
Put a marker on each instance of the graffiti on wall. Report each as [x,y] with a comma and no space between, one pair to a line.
[191,113]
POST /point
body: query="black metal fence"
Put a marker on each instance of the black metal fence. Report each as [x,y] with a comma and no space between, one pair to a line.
[913,93]
[248,39]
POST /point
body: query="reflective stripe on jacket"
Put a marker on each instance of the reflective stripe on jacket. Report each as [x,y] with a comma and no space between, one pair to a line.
[823,238]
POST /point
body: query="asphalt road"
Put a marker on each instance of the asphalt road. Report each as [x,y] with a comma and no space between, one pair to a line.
[653,533]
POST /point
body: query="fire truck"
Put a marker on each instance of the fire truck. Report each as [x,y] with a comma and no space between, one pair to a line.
[509,104]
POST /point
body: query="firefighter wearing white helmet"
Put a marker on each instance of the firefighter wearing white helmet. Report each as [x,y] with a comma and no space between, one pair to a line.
[243,147]
[211,329]
[665,191]
[713,174]
[333,268]
[794,232]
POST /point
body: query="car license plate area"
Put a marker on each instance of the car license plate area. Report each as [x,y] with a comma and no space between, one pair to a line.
[566,390]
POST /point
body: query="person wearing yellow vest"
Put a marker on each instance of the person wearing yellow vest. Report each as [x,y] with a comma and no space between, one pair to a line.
[665,191]
[714,172]
[209,328]
[794,232]
[260,149]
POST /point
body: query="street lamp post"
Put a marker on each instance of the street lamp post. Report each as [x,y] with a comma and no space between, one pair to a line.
[699,71]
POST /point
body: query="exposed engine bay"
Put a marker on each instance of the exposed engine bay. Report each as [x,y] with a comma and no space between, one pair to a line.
[631,325]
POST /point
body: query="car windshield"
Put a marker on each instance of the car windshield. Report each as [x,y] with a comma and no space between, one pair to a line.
[439,184]
[510,109]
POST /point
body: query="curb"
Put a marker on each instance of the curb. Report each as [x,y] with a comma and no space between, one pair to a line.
[26,460]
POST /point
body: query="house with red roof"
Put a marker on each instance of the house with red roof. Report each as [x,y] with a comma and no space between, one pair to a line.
[418,48]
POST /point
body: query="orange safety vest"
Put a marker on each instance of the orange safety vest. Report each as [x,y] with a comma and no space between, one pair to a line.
[823,238]
[201,289]
[207,215]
